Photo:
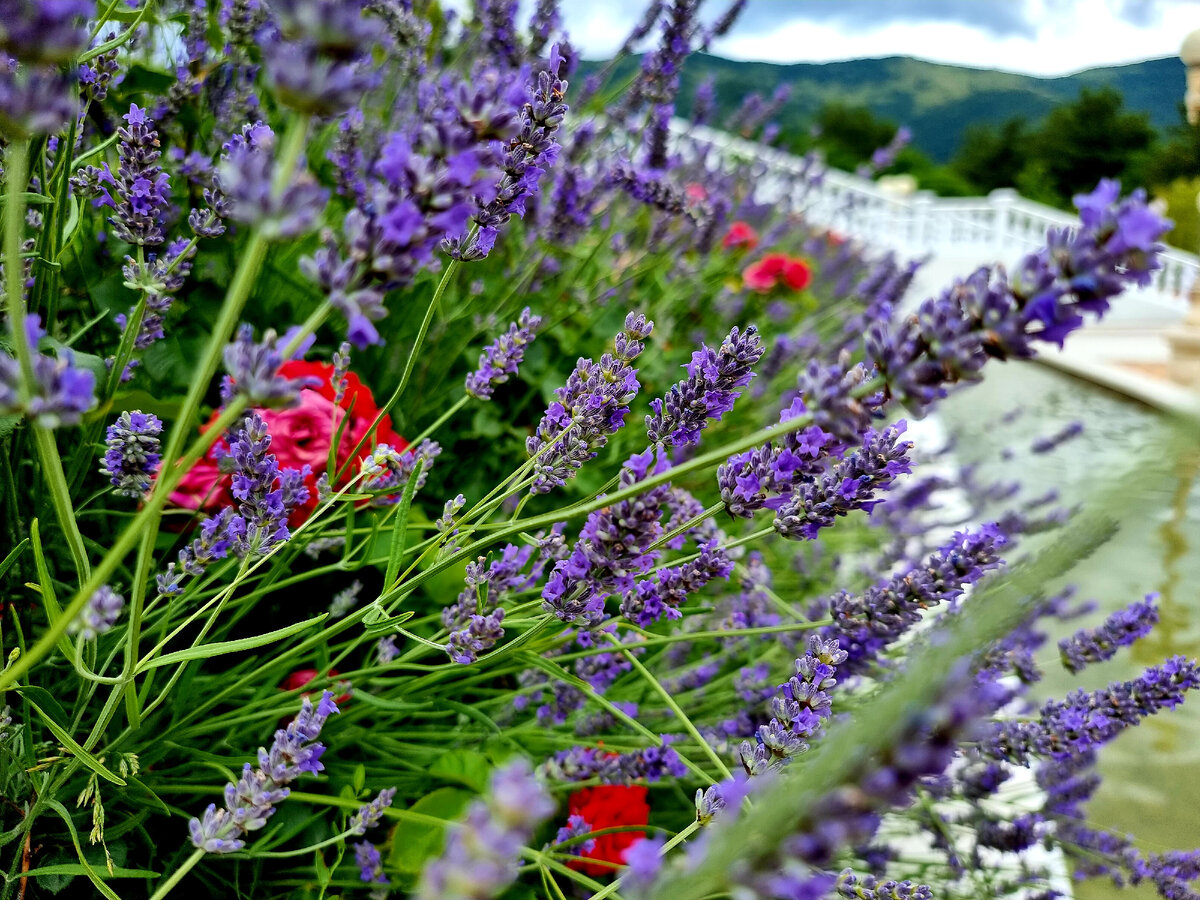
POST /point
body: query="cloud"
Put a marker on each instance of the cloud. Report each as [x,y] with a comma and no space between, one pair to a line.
[1000,19]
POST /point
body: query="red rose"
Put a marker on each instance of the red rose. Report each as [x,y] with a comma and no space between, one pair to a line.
[740,236]
[695,192]
[300,435]
[766,274]
[796,274]
[609,806]
[301,677]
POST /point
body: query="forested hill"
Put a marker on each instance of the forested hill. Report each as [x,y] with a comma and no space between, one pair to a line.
[938,102]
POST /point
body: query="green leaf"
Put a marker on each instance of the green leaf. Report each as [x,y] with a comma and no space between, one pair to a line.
[46,586]
[45,700]
[376,621]
[72,745]
[468,767]
[12,556]
[415,842]
[76,869]
[400,526]
[207,651]
[91,873]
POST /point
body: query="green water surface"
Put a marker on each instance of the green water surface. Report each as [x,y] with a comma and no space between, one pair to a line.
[1152,772]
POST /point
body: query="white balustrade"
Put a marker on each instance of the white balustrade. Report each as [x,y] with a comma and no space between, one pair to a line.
[998,228]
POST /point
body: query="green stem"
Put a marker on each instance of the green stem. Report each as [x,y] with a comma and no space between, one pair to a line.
[442,419]
[16,165]
[408,366]
[188,864]
[60,497]
[663,851]
[672,705]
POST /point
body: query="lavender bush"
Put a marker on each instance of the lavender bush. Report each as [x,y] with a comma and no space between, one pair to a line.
[292,292]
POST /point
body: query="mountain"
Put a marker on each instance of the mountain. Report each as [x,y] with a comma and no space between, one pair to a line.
[936,101]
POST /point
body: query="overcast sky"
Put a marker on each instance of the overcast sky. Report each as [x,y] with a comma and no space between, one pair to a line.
[1040,37]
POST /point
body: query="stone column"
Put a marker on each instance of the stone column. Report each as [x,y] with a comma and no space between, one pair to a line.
[1184,365]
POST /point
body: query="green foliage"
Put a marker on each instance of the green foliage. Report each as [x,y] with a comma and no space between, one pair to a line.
[1181,198]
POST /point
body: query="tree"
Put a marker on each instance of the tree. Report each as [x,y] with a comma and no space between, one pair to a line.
[991,157]
[850,134]
[1095,137]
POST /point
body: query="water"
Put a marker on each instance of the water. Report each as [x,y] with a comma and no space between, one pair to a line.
[1151,773]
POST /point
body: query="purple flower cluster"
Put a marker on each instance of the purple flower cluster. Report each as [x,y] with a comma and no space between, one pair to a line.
[36,94]
[798,710]
[371,814]
[98,615]
[251,800]
[659,80]
[159,277]
[613,547]
[265,493]
[1046,444]
[245,178]
[131,457]
[60,393]
[502,357]
[480,858]
[528,154]
[948,339]
[655,598]
[714,380]
[872,888]
[590,407]
[254,371]
[479,635]
[1085,720]
[850,483]
[865,625]
[142,189]
[388,470]
[1120,629]
[576,826]
[503,575]
[587,763]
[370,866]
[266,497]
[318,53]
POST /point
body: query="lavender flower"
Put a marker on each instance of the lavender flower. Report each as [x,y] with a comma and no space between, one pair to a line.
[318,53]
[591,406]
[613,547]
[132,455]
[371,814]
[370,864]
[653,599]
[251,800]
[480,859]
[254,371]
[266,494]
[1046,444]
[503,356]
[526,158]
[576,826]
[1078,272]
[659,80]
[450,509]
[388,470]
[480,634]
[1120,629]
[98,615]
[34,99]
[245,177]
[61,392]
[142,189]
[1085,720]
[798,710]
[159,277]
[643,861]
[865,625]
[849,484]
[709,391]
[343,601]
[44,32]
[586,763]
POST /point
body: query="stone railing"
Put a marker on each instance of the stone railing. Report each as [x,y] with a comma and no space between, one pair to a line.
[998,228]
